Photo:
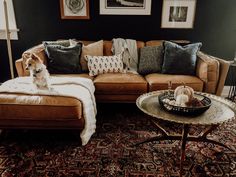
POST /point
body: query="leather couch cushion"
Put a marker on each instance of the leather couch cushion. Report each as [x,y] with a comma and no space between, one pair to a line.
[119,83]
[160,81]
[14,106]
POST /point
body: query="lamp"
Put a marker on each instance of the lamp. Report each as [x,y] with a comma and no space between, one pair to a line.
[8,26]
[8,39]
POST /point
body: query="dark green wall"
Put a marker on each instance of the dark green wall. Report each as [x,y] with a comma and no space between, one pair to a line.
[38,20]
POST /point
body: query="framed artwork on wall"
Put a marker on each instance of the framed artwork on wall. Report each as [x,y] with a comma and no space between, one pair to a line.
[178,13]
[74,9]
[125,7]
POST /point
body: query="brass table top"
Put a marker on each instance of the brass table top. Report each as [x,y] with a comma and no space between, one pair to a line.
[221,110]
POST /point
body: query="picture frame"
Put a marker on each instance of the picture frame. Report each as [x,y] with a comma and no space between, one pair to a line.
[125,7]
[74,9]
[178,13]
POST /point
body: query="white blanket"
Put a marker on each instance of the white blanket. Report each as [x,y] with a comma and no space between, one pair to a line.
[79,88]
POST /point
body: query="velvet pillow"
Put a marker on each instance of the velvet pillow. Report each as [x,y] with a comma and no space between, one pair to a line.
[63,60]
[150,61]
[93,49]
[104,64]
[180,59]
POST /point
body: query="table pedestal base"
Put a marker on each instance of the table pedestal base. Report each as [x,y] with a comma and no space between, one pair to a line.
[184,138]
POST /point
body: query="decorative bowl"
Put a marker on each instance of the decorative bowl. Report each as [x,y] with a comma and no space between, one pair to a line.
[184,110]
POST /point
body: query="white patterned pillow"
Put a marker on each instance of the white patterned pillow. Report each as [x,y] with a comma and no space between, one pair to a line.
[104,64]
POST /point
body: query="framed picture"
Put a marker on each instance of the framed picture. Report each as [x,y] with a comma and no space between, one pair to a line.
[125,7]
[178,13]
[74,9]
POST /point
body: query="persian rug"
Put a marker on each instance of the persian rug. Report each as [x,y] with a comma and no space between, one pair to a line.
[110,152]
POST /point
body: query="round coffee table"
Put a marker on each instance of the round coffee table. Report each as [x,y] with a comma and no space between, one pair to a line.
[221,110]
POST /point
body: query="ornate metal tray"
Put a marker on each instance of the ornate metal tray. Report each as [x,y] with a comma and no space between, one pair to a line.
[188,110]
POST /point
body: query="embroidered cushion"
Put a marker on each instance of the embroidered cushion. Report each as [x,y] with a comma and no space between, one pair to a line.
[104,64]
[180,59]
[63,60]
[151,58]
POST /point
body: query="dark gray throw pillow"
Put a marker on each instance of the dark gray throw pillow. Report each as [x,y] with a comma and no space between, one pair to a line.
[63,60]
[150,61]
[180,59]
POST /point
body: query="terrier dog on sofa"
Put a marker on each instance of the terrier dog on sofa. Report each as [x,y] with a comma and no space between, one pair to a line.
[38,72]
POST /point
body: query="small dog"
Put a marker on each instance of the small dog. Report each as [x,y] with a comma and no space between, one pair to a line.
[38,72]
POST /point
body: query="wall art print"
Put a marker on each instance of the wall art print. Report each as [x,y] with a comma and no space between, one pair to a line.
[74,9]
[125,7]
[178,13]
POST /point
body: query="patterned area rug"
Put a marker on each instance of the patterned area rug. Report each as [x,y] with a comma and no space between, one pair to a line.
[110,151]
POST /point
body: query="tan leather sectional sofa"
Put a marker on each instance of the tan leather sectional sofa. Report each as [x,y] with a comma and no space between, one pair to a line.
[118,87]
[67,113]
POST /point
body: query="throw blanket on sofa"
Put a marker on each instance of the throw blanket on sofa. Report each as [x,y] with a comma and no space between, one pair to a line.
[79,88]
[130,53]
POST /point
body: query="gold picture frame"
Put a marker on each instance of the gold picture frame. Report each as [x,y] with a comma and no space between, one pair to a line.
[178,14]
[74,9]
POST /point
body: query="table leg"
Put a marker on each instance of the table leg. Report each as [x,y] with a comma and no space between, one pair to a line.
[164,135]
[183,138]
[208,130]
[183,147]
[203,137]
[159,138]
[232,90]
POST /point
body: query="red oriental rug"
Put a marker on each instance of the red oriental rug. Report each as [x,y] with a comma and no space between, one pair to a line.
[110,152]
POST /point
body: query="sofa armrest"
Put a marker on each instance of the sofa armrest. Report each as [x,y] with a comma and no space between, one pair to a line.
[212,71]
[20,64]
[20,68]
[224,68]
